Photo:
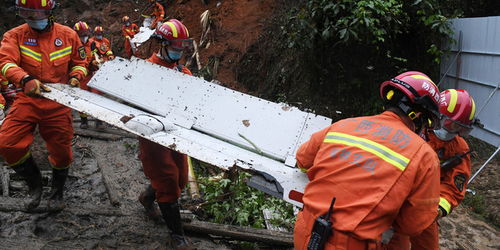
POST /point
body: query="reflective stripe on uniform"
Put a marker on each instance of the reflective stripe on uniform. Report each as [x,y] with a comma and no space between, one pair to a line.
[2,106]
[60,53]
[8,66]
[22,160]
[83,69]
[35,55]
[453,100]
[445,205]
[375,148]
[109,53]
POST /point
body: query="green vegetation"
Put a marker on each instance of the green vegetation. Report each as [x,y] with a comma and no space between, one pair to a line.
[233,202]
[333,55]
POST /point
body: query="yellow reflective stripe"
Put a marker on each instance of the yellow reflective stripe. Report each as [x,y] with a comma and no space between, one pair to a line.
[22,160]
[375,148]
[83,69]
[56,168]
[109,53]
[5,83]
[303,170]
[44,3]
[60,53]
[473,111]
[174,29]
[445,205]
[453,100]
[30,53]
[2,106]
[23,1]
[8,66]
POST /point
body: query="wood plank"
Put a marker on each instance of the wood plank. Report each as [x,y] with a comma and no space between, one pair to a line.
[108,175]
[241,233]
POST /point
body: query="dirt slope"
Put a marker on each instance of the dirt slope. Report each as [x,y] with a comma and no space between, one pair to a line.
[237,24]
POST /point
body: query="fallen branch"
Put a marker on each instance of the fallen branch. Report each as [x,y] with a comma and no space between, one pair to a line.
[5,181]
[96,135]
[241,233]
[108,176]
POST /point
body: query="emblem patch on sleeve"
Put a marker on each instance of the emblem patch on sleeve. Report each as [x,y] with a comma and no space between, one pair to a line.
[460,181]
[82,53]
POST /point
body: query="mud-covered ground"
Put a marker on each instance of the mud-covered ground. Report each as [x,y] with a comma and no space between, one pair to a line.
[90,221]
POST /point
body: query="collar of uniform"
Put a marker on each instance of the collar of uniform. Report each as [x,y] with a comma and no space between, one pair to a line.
[155,59]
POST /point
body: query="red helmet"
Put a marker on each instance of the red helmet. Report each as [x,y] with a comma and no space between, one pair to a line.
[174,33]
[420,90]
[35,9]
[98,30]
[82,28]
[36,4]
[458,109]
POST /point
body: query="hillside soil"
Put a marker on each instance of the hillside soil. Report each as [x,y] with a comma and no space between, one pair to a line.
[90,221]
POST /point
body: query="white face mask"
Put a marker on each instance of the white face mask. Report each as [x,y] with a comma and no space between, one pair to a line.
[84,39]
[444,135]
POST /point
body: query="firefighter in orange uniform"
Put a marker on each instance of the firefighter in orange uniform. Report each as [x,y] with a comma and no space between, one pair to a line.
[128,30]
[40,51]
[379,170]
[101,45]
[458,109]
[3,102]
[157,15]
[167,169]
[83,31]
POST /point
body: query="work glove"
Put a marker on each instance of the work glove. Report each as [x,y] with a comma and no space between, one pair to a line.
[33,87]
[74,82]
[111,57]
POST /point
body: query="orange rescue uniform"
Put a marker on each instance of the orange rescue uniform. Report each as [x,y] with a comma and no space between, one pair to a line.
[452,190]
[167,169]
[381,173]
[90,57]
[101,47]
[4,84]
[129,33]
[158,14]
[51,57]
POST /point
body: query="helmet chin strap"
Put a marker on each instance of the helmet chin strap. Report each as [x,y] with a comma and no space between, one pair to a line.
[166,57]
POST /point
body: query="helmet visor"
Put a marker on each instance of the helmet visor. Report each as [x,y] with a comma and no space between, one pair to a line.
[181,44]
[32,14]
[455,126]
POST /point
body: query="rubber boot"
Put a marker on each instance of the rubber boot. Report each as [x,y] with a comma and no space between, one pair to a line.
[99,125]
[84,123]
[56,201]
[172,216]
[31,174]
[147,199]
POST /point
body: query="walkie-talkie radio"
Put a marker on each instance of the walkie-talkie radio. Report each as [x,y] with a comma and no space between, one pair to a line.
[322,230]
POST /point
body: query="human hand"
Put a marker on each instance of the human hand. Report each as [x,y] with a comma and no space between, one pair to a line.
[33,87]
[73,82]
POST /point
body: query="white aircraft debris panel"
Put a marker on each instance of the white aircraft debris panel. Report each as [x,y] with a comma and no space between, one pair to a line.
[266,128]
[270,176]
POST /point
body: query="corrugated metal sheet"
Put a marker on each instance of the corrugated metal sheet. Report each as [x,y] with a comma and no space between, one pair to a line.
[474,64]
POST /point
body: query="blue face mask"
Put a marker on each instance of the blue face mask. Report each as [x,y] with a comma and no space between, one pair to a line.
[444,135]
[174,55]
[99,37]
[38,24]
